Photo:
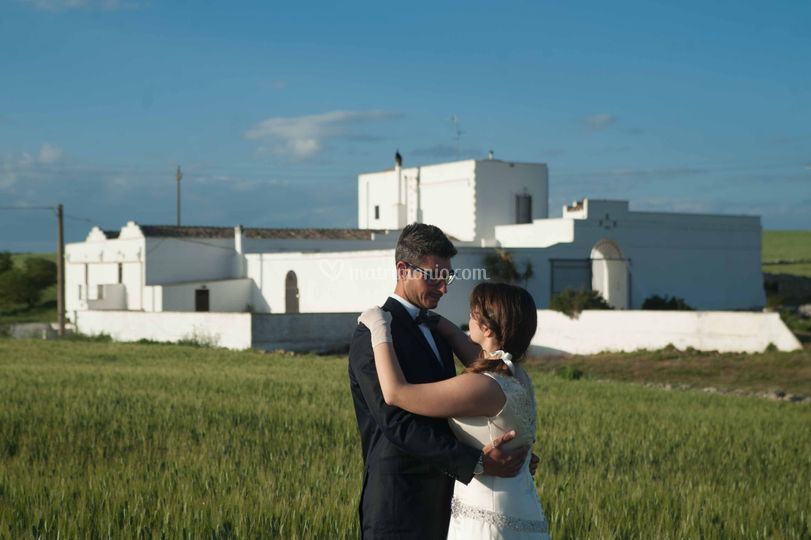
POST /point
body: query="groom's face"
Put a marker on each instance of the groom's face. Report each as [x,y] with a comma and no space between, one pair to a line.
[425,290]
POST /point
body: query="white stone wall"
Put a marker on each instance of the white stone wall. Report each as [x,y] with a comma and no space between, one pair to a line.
[230,330]
[447,198]
[542,233]
[626,331]
[304,331]
[466,199]
[327,282]
[233,295]
[378,189]
[712,262]
[498,183]
[172,260]
[95,262]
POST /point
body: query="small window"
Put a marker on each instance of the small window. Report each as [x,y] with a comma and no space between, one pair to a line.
[201,299]
[523,208]
[377,212]
[120,273]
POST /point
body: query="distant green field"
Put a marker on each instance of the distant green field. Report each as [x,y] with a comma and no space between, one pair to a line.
[791,247]
[129,441]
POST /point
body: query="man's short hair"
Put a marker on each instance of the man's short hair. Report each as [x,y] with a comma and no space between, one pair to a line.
[419,240]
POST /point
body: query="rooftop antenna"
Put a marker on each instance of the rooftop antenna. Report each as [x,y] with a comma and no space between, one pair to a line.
[458,132]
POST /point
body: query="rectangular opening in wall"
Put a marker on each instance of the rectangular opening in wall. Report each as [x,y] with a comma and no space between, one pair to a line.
[120,273]
[572,274]
[377,212]
[523,208]
[201,297]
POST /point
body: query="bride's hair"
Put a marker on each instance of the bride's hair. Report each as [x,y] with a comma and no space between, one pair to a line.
[510,312]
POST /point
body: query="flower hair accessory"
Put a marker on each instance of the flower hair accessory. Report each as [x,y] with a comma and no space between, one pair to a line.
[507,358]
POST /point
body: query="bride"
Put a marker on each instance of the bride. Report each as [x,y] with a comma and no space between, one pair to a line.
[492,397]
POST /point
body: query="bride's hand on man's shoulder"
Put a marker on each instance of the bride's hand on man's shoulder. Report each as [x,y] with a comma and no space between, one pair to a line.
[374,316]
[378,322]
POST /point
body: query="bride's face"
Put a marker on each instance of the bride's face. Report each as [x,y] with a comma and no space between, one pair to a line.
[476,330]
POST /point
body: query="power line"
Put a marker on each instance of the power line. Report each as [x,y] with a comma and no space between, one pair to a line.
[27,207]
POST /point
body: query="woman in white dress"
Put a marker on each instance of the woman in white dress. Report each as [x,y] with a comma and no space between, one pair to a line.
[492,397]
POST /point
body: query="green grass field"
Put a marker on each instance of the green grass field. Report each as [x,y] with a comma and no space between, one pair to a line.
[125,440]
[787,246]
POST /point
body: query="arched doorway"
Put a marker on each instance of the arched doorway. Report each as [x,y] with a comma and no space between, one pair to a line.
[609,274]
[291,293]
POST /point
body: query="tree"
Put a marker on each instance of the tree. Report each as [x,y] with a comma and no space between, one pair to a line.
[17,288]
[501,267]
[6,262]
[41,271]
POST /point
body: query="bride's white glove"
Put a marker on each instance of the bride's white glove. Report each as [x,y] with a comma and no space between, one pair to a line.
[379,324]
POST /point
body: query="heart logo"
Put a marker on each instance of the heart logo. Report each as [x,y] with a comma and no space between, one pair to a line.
[331,269]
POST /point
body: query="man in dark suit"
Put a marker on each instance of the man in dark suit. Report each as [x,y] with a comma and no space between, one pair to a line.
[411,461]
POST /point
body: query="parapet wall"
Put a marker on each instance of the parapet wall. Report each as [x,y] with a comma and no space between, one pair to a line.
[626,331]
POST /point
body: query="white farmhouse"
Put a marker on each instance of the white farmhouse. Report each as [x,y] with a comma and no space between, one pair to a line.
[711,261]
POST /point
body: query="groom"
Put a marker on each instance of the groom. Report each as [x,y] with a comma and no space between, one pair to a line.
[411,461]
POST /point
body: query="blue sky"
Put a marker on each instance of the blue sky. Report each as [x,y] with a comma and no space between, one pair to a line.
[272,110]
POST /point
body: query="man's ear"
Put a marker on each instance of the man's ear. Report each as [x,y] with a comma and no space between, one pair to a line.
[402,270]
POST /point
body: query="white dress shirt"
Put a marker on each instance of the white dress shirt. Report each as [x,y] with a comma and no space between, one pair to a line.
[414,311]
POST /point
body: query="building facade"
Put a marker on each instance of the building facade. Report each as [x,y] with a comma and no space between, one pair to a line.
[711,261]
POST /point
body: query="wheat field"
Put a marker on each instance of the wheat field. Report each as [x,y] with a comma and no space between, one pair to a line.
[110,440]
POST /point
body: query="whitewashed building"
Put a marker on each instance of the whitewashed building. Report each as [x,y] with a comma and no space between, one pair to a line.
[711,261]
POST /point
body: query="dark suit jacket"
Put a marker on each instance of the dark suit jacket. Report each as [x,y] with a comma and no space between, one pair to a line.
[410,461]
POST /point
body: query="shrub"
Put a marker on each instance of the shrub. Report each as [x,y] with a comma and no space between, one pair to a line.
[570,373]
[572,302]
[41,271]
[665,303]
[102,337]
[17,288]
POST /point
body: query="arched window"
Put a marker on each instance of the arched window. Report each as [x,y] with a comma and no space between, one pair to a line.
[291,293]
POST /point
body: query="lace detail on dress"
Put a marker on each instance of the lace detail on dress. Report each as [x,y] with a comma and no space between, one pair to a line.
[460,510]
[520,402]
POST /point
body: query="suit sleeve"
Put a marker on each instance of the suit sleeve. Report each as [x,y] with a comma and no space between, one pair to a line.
[414,434]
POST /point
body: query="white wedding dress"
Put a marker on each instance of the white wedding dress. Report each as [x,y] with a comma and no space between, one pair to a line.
[490,506]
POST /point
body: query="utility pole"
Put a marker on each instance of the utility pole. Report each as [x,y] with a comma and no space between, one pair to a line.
[60,270]
[178,176]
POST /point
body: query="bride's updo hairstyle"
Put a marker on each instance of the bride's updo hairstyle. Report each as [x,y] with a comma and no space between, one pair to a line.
[510,312]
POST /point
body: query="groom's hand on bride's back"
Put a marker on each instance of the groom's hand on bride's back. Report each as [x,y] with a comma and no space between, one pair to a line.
[501,462]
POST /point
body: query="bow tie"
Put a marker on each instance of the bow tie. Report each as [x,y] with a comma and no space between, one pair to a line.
[426,317]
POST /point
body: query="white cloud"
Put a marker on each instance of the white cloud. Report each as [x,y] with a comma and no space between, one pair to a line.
[66,5]
[26,165]
[302,137]
[600,121]
[49,154]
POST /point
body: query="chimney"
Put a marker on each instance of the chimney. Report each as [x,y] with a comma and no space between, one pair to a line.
[240,258]
[238,239]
